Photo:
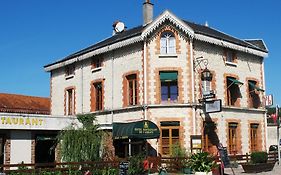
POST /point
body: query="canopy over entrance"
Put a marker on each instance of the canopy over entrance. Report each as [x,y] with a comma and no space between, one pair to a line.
[144,129]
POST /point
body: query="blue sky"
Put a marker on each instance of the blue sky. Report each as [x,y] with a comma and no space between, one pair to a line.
[34,33]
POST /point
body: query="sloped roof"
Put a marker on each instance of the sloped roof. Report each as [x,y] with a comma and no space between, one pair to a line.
[257,42]
[13,103]
[208,31]
[137,31]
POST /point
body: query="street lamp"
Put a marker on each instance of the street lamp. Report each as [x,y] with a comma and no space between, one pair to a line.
[206,75]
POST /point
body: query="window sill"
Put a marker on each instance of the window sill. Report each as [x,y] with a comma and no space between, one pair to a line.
[231,63]
[96,69]
[69,76]
[168,56]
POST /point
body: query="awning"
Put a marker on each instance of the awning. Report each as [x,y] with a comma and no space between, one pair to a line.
[235,81]
[144,129]
[168,76]
[255,87]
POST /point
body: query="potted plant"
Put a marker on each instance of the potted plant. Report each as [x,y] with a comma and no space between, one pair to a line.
[258,163]
[202,163]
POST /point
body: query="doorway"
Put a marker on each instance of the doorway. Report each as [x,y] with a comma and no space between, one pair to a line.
[45,149]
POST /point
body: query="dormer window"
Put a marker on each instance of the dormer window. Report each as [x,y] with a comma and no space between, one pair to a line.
[96,63]
[69,71]
[168,43]
[230,57]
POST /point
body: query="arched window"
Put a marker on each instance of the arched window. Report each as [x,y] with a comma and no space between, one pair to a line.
[167,43]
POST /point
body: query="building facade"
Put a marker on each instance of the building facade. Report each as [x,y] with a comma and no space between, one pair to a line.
[153,72]
[27,131]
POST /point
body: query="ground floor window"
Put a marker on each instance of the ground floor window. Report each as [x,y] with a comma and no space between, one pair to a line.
[170,135]
[254,137]
[45,148]
[232,138]
[124,146]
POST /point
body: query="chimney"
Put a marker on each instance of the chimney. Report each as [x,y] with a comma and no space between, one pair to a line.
[147,12]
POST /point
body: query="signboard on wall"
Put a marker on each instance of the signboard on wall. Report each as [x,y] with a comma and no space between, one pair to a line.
[35,122]
[196,143]
[268,100]
[213,106]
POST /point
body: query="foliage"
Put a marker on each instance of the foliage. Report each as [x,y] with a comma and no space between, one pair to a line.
[178,151]
[259,157]
[202,162]
[136,164]
[80,144]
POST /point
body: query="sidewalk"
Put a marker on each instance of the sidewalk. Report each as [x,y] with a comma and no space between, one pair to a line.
[276,171]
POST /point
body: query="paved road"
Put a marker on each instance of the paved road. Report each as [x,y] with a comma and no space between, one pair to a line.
[276,171]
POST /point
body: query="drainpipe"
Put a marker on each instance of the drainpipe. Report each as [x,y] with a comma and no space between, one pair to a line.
[145,79]
[82,86]
[112,88]
[192,87]
[265,116]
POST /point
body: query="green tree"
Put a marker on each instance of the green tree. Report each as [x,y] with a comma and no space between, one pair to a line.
[82,143]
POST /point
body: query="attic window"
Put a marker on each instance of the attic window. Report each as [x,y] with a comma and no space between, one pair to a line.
[69,71]
[96,63]
[230,57]
[168,43]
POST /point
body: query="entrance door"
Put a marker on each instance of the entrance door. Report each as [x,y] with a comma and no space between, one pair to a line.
[45,149]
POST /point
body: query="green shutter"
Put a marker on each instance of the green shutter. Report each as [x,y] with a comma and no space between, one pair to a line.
[255,87]
[235,81]
[168,76]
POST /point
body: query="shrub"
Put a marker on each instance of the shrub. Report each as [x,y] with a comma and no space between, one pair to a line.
[259,157]
[136,164]
[202,162]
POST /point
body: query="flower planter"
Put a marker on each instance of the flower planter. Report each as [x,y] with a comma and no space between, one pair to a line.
[257,168]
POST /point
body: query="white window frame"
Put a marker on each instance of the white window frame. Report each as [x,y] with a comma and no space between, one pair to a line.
[167,43]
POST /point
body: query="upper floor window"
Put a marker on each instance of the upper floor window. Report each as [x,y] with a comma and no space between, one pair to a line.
[69,102]
[168,43]
[96,62]
[233,91]
[69,71]
[132,89]
[254,98]
[99,96]
[169,86]
[230,57]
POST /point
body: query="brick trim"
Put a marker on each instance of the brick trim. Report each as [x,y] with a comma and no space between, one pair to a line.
[65,96]
[239,134]
[167,29]
[238,101]
[93,94]
[158,83]
[125,85]
[7,149]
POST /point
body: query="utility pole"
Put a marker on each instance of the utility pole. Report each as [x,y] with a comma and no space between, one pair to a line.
[278,134]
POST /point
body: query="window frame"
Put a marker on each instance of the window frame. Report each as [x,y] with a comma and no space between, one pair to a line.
[170,138]
[169,84]
[98,96]
[97,63]
[230,57]
[167,43]
[70,101]
[69,71]
[232,92]
[132,86]
[254,136]
[232,137]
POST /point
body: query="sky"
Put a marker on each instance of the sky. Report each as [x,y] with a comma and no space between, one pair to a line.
[34,33]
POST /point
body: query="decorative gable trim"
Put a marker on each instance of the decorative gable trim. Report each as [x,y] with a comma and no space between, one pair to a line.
[229,45]
[170,17]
